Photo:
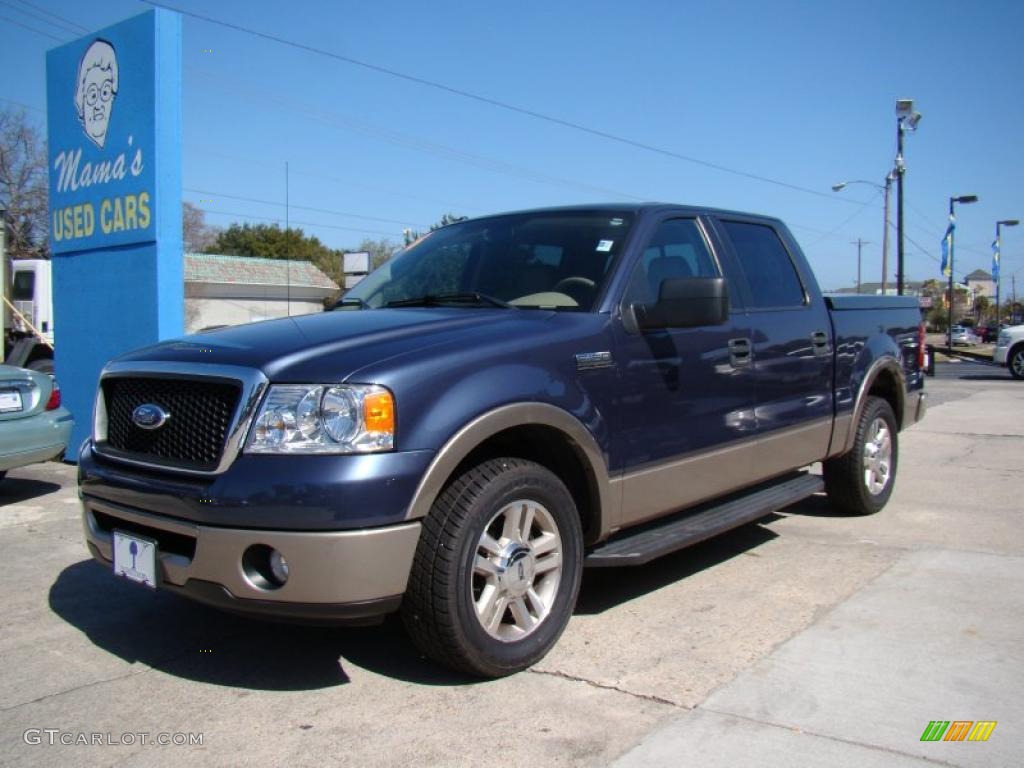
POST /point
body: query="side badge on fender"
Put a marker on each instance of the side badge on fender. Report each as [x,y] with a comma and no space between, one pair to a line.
[587,361]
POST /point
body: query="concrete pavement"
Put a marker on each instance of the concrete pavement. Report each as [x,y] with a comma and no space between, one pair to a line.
[937,636]
[803,640]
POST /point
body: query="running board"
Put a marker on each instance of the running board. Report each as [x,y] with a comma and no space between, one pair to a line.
[662,538]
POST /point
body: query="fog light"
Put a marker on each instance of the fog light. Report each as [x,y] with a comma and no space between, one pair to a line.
[278,566]
[264,567]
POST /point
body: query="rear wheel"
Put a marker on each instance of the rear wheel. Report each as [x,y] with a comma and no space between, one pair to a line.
[497,569]
[1015,362]
[860,482]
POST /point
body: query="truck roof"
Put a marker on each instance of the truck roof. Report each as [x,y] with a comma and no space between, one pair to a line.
[634,208]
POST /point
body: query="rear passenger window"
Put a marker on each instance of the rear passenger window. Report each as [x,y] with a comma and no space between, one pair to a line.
[677,249]
[769,270]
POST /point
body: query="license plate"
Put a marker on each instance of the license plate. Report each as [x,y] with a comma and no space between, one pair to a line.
[10,400]
[135,559]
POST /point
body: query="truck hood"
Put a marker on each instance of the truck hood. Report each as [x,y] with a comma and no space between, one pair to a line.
[330,346]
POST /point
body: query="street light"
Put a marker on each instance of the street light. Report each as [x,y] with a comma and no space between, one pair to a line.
[885,229]
[998,258]
[906,120]
[963,200]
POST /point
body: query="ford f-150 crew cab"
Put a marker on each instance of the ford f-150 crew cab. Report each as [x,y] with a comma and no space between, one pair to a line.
[507,401]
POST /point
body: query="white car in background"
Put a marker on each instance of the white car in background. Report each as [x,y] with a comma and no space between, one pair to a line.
[1010,350]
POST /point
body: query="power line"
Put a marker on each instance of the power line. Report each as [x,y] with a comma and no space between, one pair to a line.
[32,29]
[38,17]
[277,220]
[380,133]
[845,221]
[336,179]
[300,207]
[496,103]
[76,27]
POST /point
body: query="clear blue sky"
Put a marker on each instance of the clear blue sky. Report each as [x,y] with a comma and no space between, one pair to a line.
[800,92]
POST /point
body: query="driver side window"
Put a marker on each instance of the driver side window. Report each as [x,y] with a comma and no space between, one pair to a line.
[677,249]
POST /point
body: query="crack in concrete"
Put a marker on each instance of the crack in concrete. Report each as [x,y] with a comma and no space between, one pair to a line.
[838,739]
[606,687]
[82,687]
[969,434]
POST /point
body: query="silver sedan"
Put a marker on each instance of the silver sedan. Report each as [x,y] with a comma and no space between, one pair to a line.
[33,424]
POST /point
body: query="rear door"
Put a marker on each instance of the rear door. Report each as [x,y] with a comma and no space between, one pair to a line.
[791,342]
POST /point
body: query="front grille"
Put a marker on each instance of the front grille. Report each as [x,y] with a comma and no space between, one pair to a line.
[194,435]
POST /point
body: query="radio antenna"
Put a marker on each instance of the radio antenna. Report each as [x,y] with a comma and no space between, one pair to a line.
[287,243]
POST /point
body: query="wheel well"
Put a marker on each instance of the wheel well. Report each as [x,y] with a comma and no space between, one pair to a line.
[553,449]
[886,386]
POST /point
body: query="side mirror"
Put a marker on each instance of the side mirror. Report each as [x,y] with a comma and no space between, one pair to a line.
[686,302]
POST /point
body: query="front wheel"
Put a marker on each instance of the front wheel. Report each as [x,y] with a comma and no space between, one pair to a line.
[1015,363]
[497,569]
[860,482]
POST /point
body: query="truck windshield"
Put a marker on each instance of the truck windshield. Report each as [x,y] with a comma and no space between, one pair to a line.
[24,287]
[543,260]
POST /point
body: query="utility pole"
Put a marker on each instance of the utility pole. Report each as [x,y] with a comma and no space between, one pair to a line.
[860,244]
[885,234]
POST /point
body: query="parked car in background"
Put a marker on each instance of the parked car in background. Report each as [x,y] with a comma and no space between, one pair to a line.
[987,333]
[34,426]
[964,336]
[1010,350]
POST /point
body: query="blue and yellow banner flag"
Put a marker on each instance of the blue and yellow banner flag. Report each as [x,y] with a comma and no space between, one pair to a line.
[947,242]
[995,260]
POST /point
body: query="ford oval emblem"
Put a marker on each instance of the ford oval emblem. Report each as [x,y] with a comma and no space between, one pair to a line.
[150,416]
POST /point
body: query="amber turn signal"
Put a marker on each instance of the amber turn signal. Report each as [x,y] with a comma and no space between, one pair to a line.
[379,412]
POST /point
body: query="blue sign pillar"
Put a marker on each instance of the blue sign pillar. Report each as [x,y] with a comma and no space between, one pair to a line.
[114,125]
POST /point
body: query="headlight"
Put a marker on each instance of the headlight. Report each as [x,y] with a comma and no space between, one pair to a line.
[324,418]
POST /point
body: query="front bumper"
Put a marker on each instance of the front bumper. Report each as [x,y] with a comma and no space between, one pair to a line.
[333,575]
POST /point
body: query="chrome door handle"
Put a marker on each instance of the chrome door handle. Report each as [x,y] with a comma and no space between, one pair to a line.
[819,341]
[740,352]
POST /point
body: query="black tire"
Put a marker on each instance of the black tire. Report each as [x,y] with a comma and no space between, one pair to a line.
[1015,362]
[846,481]
[439,608]
[42,365]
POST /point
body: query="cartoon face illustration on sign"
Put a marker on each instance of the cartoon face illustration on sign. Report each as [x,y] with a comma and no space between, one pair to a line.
[96,88]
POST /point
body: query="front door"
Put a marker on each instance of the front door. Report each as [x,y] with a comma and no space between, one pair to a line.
[685,391]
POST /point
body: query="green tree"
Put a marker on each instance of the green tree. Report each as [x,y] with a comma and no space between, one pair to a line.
[412,235]
[981,307]
[269,241]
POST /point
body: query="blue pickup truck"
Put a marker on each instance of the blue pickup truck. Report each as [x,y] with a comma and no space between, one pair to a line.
[508,401]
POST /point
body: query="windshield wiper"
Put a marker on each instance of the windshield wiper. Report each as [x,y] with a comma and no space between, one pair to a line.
[434,300]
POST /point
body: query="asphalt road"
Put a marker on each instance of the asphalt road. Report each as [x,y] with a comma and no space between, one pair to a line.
[807,639]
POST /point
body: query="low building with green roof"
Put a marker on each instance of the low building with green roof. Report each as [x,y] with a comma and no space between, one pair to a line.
[231,290]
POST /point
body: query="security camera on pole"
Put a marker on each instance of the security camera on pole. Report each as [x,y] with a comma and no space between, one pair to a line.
[906,120]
